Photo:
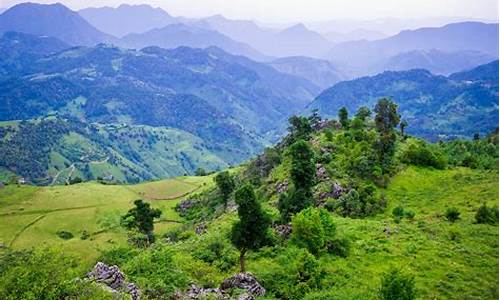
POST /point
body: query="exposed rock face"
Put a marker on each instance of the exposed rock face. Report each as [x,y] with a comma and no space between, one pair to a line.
[196,292]
[283,230]
[185,205]
[321,173]
[112,278]
[282,187]
[201,229]
[244,281]
[336,191]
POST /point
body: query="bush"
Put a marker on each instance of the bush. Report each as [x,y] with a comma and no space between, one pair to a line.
[487,215]
[65,235]
[398,212]
[420,153]
[85,235]
[397,286]
[312,228]
[409,214]
[452,214]
[339,246]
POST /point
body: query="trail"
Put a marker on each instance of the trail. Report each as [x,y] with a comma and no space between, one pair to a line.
[47,211]
[59,173]
[24,229]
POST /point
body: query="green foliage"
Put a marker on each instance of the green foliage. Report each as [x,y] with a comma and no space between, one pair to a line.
[452,214]
[339,246]
[299,129]
[386,119]
[302,174]
[200,172]
[420,153]
[397,286]
[487,215]
[398,212]
[141,218]
[476,154]
[360,201]
[65,235]
[44,273]
[251,232]
[294,273]
[344,117]
[225,184]
[312,229]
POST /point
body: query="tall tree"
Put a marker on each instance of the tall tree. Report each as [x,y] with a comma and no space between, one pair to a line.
[386,119]
[225,183]
[344,117]
[302,175]
[299,129]
[141,217]
[251,232]
[403,126]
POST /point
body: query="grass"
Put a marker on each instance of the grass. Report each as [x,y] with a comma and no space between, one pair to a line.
[31,215]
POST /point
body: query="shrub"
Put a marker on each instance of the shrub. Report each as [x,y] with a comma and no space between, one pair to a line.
[398,212]
[487,215]
[452,214]
[65,235]
[312,229]
[339,246]
[85,235]
[410,214]
[397,286]
[420,153]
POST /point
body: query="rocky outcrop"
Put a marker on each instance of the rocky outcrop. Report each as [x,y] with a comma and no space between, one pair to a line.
[283,230]
[113,279]
[282,187]
[245,281]
[201,229]
[185,205]
[321,173]
[197,292]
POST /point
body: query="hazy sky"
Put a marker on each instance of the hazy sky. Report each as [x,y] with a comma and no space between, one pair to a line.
[306,10]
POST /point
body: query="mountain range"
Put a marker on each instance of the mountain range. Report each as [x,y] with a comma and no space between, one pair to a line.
[436,107]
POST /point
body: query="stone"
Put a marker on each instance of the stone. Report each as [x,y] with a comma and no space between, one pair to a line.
[111,277]
[245,281]
[185,205]
[201,229]
[321,173]
[283,230]
[197,292]
[282,187]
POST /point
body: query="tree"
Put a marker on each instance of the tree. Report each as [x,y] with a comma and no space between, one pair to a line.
[402,126]
[314,119]
[386,119]
[225,184]
[299,129]
[344,117]
[200,172]
[141,217]
[251,232]
[363,113]
[313,228]
[302,175]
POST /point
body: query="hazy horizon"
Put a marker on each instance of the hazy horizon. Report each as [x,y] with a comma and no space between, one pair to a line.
[307,11]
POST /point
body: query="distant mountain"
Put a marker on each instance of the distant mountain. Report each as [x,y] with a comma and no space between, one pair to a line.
[127,19]
[299,40]
[228,101]
[19,50]
[354,35]
[455,37]
[55,20]
[321,72]
[436,61]
[175,35]
[436,107]
[486,74]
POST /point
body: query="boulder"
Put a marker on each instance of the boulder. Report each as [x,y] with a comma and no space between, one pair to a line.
[197,292]
[321,173]
[282,187]
[283,230]
[112,278]
[245,281]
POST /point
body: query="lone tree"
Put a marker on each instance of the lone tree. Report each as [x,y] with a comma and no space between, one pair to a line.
[299,129]
[141,217]
[302,175]
[386,119]
[344,117]
[251,231]
[225,183]
[403,126]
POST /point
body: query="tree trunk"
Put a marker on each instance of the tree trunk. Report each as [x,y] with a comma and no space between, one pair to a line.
[242,260]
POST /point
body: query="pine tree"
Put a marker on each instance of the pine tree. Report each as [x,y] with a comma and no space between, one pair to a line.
[251,232]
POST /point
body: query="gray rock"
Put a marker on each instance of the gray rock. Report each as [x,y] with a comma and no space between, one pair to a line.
[111,277]
[283,230]
[321,173]
[201,229]
[282,187]
[245,281]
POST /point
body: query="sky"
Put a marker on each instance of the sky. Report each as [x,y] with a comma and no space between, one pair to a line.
[305,10]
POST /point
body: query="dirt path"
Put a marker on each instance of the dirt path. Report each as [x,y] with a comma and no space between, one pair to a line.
[47,211]
[72,166]
[24,229]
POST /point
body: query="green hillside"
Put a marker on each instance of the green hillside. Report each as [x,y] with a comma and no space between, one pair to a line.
[52,151]
[427,210]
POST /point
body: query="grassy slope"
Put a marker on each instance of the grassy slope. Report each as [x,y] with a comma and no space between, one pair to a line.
[31,216]
[464,268]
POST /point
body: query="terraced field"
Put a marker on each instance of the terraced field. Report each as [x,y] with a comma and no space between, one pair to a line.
[32,216]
